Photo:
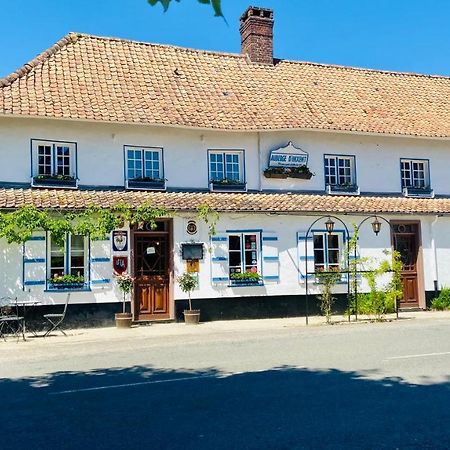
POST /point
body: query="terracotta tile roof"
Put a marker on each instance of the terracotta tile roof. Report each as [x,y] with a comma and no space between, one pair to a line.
[223,202]
[105,79]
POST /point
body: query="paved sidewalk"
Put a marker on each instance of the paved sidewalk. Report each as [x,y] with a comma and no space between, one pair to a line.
[206,329]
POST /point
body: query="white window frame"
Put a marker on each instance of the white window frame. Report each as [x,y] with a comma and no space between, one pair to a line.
[66,251]
[55,159]
[224,154]
[411,181]
[243,250]
[326,265]
[144,151]
[339,178]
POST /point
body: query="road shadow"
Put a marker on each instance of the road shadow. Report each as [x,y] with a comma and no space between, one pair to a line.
[284,408]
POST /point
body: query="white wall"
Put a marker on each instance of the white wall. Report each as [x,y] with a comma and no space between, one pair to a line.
[286,228]
[101,156]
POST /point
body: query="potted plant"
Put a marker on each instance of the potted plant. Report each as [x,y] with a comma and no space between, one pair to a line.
[147,183]
[188,282]
[245,278]
[302,172]
[125,282]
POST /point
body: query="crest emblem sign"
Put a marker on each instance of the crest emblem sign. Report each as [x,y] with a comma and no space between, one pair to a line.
[120,241]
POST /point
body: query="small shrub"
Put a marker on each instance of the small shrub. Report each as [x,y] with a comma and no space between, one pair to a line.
[442,302]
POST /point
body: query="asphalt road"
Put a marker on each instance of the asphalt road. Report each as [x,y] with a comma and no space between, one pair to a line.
[368,386]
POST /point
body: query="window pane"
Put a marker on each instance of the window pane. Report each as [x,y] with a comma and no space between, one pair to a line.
[44,160]
[216,166]
[77,255]
[63,160]
[152,164]
[234,243]
[134,164]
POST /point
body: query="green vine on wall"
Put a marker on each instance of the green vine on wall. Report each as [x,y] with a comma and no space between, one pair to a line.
[210,216]
[19,225]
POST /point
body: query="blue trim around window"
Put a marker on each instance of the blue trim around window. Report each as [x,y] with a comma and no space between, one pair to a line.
[157,185]
[355,171]
[231,187]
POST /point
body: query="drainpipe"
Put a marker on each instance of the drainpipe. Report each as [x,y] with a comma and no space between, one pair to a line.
[434,257]
[258,134]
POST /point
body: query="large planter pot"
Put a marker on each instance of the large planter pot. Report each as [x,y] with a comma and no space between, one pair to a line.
[123,320]
[191,316]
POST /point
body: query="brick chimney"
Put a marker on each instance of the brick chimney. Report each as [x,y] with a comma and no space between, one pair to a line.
[257,34]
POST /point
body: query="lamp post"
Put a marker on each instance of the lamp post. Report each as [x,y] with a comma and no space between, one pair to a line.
[329,226]
[376,228]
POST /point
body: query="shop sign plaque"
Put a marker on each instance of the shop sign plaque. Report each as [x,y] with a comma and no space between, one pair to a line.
[288,156]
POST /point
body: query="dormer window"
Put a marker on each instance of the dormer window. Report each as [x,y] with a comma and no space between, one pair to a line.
[226,170]
[340,174]
[54,164]
[144,168]
[415,175]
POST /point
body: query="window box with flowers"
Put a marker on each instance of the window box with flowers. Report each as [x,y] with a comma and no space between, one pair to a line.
[54,181]
[228,185]
[66,282]
[302,172]
[245,279]
[147,183]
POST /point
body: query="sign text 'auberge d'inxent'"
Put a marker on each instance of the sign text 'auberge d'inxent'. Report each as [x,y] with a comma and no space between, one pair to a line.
[288,156]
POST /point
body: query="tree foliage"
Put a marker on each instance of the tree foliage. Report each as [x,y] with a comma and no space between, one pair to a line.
[216,5]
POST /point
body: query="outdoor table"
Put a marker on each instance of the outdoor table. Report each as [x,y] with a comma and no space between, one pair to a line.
[27,304]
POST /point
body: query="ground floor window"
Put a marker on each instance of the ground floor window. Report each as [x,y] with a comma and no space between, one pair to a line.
[326,251]
[243,252]
[68,263]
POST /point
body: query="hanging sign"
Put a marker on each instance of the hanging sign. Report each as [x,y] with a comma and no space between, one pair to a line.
[288,156]
[120,240]
[120,264]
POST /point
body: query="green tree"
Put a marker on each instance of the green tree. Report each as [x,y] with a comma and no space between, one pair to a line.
[216,5]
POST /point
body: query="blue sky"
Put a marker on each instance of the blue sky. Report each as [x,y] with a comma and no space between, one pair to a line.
[404,35]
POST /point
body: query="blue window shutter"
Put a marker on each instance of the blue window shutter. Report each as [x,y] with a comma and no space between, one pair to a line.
[35,261]
[305,251]
[270,257]
[100,264]
[219,259]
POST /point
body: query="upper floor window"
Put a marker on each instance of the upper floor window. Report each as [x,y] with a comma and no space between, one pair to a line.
[144,168]
[326,252]
[54,164]
[415,173]
[340,174]
[226,170]
[68,263]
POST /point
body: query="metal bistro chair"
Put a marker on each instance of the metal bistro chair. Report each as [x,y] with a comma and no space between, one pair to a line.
[10,321]
[57,319]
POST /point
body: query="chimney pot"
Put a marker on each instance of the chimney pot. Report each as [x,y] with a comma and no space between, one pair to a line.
[257,34]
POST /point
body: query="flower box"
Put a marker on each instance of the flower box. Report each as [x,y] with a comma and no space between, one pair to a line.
[229,186]
[343,189]
[66,286]
[146,184]
[248,282]
[54,181]
[303,176]
[275,175]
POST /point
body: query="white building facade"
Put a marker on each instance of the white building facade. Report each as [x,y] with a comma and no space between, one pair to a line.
[58,158]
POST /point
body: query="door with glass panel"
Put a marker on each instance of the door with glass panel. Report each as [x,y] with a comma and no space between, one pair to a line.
[151,265]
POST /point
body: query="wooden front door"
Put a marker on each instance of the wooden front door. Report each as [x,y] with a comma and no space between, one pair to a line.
[406,242]
[152,273]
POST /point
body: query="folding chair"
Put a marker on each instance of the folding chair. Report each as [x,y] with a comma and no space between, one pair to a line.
[10,321]
[57,319]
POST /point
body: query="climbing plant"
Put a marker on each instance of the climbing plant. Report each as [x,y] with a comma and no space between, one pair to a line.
[210,216]
[17,226]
